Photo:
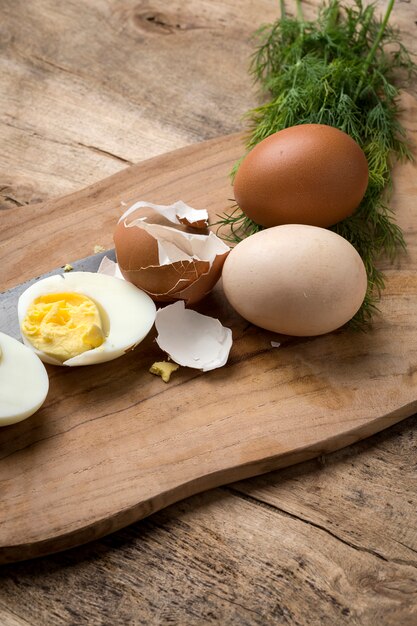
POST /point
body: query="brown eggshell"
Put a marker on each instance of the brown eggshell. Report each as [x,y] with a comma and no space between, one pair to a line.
[135,247]
[307,174]
[164,282]
[201,287]
[138,259]
[199,225]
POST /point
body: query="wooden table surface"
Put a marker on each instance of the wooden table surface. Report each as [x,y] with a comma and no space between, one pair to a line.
[88,88]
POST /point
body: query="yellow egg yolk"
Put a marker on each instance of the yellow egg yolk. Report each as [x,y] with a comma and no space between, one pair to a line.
[164,369]
[63,325]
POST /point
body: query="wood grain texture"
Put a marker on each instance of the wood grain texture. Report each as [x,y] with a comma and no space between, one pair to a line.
[78,104]
[300,556]
[64,110]
[112,444]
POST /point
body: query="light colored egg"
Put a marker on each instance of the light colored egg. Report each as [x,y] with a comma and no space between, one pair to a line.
[126,314]
[307,174]
[295,279]
[24,382]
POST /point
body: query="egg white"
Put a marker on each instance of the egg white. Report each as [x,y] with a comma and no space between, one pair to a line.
[24,382]
[127,313]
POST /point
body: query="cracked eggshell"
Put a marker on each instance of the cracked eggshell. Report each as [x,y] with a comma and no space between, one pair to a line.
[176,213]
[192,339]
[169,264]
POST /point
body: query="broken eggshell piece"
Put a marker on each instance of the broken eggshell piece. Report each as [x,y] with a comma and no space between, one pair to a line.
[169,264]
[192,339]
[177,213]
[109,268]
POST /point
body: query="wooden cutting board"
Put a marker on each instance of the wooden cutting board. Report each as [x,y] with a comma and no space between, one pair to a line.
[113,443]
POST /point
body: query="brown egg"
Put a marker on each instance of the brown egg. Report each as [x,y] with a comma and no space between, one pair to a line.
[307,174]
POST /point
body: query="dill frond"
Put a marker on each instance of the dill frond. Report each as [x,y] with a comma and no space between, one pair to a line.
[239,225]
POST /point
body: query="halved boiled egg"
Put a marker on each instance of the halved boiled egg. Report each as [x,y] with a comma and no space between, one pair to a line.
[24,382]
[82,318]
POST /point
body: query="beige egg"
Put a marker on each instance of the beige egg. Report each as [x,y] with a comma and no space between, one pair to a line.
[295,279]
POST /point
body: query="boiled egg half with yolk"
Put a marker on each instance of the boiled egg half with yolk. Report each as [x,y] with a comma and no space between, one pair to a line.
[82,318]
[24,382]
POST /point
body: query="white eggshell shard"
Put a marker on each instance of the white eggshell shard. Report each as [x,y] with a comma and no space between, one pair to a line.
[177,213]
[24,381]
[176,245]
[192,339]
[127,313]
[109,268]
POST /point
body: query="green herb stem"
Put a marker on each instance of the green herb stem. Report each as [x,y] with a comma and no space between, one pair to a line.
[374,48]
[300,15]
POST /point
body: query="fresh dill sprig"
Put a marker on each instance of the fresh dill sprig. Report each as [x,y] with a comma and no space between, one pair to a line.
[240,226]
[344,69]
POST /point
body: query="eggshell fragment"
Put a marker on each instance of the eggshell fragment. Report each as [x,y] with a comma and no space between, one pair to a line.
[109,268]
[167,263]
[192,339]
[307,174]
[177,213]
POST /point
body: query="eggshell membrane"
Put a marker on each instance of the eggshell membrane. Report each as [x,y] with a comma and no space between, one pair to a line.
[177,213]
[295,279]
[139,262]
[307,174]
